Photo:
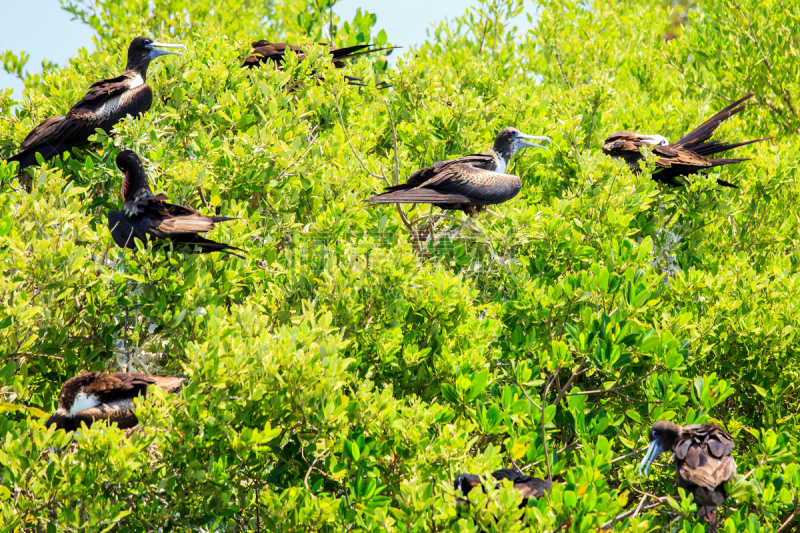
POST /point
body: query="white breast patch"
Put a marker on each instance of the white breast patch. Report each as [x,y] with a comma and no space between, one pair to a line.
[82,402]
[136,82]
[501,166]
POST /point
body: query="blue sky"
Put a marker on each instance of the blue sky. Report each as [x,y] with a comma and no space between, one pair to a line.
[57,38]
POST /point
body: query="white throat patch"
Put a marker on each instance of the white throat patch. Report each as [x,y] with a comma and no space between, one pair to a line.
[82,402]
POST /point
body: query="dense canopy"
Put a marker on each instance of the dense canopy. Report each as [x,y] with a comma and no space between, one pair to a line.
[357,359]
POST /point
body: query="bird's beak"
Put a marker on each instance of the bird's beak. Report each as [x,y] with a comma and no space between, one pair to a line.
[158,49]
[653,451]
[526,144]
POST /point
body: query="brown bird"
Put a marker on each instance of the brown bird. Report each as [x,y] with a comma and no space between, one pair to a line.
[684,157]
[264,51]
[703,461]
[468,183]
[93,396]
[106,103]
[146,216]
[527,486]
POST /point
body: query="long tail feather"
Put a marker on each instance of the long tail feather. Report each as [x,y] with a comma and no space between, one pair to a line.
[349,55]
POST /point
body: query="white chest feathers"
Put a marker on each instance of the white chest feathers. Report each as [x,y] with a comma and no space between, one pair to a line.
[82,402]
[501,166]
[136,82]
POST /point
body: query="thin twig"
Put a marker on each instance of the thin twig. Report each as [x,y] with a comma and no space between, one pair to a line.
[576,373]
[627,455]
[612,389]
[544,434]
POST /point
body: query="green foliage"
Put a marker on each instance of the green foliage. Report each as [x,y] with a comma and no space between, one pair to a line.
[357,360]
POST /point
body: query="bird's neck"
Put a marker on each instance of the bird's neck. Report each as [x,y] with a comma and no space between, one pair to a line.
[138,67]
[504,156]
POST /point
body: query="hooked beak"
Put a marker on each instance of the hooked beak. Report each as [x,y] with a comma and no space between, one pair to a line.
[653,451]
[526,144]
[158,49]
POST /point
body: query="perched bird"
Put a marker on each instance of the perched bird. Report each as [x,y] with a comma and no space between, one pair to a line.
[682,158]
[264,51]
[468,183]
[703,461]
[106,103]
[93,396]
[145,215]
[527,486]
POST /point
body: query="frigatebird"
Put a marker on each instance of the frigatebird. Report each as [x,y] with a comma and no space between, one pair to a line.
[145,215]
[527,486]
[687,156]
[264,51]
[703,461]
[93,396]
[468,183]
[106,103]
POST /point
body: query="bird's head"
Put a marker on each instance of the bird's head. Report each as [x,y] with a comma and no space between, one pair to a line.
[663,435]
[142,50]
[509,140]
[466,482]
[135,178]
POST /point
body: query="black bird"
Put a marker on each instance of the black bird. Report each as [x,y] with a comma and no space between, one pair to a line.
[145,215]
[527,486]
[264,51]
[684,157]
[93,396]
[468,183]
[106,103]
[703,461]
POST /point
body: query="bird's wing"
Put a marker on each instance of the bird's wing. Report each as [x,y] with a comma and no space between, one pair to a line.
[172,384]
[178,225]
[704,131]
[424,175]
[476,183]
[703,456]
[54,130]
[104,90]
[675,155]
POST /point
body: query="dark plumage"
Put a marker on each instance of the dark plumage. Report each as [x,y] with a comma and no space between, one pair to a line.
[93,396]
[264,51]
[106,103]
[145,215]
[703,461]
[527,486]
[684,157]
[467,183]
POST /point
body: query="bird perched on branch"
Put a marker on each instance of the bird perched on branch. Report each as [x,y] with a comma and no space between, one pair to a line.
[264,51]
[468,183]
[146,216]
[687,156]
[703,461]
[93,396]
[106,103]
[527,486]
